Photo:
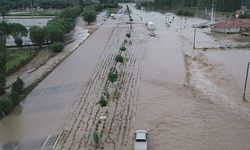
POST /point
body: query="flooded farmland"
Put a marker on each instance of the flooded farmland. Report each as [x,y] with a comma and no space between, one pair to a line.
[27,22]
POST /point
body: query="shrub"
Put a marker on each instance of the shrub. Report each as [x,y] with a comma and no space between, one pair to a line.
[6,104]
[128,35]
[96,138]
[16,90]
[57,46]
[119,58]
[103,102]
[2,84]
[182,12]
[113,76]
[17,86]
[123,48]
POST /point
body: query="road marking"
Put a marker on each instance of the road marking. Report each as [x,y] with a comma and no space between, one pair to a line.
[45,142]
[59,136]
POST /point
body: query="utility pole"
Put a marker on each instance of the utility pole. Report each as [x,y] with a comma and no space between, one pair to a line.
[31,5]
[245,87]
[194,38]
[212,13]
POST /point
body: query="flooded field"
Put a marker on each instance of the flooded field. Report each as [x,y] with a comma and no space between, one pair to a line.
[27,22]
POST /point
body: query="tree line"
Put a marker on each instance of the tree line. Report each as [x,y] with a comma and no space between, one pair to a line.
[219,5]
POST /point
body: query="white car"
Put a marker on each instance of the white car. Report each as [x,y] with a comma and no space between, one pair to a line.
[141,140]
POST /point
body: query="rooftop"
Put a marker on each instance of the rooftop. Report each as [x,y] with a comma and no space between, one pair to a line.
[235,23]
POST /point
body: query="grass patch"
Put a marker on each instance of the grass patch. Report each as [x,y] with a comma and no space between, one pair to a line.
[111,11]
[43,12]
[18,58]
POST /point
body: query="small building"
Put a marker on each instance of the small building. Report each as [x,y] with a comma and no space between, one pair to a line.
[231,26]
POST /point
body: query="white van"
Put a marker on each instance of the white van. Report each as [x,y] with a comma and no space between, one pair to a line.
[150,25]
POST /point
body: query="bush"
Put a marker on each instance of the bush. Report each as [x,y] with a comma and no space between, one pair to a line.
[103,102]
[16,90]
[123,48]
[6,104]
[17,86]
[57,46]
[128,35]
[110,5]
[112,76]
[182,12]
[71,12]
[2,84]
[96,138]
[119,58]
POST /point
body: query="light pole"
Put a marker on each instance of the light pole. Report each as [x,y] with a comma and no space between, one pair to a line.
[245,87]
[31,5]
[194,38]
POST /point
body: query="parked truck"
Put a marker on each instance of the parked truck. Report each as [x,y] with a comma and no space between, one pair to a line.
[141,140]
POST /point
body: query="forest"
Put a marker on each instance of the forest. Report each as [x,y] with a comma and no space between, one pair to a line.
[220,5]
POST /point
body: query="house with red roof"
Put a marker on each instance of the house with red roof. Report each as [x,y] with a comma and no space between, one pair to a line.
[231,26]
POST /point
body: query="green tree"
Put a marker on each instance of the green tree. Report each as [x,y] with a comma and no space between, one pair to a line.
[17,86]
[89,15]
[119,58]
[18,31]
[57,46]
[16,90]
[6,104]
[113,76]
[5,31]
[37,35]
[4,10]
[2,66]
[56,30]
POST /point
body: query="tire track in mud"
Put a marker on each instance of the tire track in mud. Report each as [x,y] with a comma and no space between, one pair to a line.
[82,122]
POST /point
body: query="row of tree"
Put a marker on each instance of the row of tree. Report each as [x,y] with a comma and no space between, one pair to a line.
[17,4]
[220,5]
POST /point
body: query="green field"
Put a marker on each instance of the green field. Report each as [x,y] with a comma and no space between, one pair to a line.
[18,58]
[43,12]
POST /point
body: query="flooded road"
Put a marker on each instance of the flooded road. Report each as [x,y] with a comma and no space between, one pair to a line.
[191,99]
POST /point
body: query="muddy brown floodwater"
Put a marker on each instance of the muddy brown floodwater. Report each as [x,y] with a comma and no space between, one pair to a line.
[185,98]
[189,99]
